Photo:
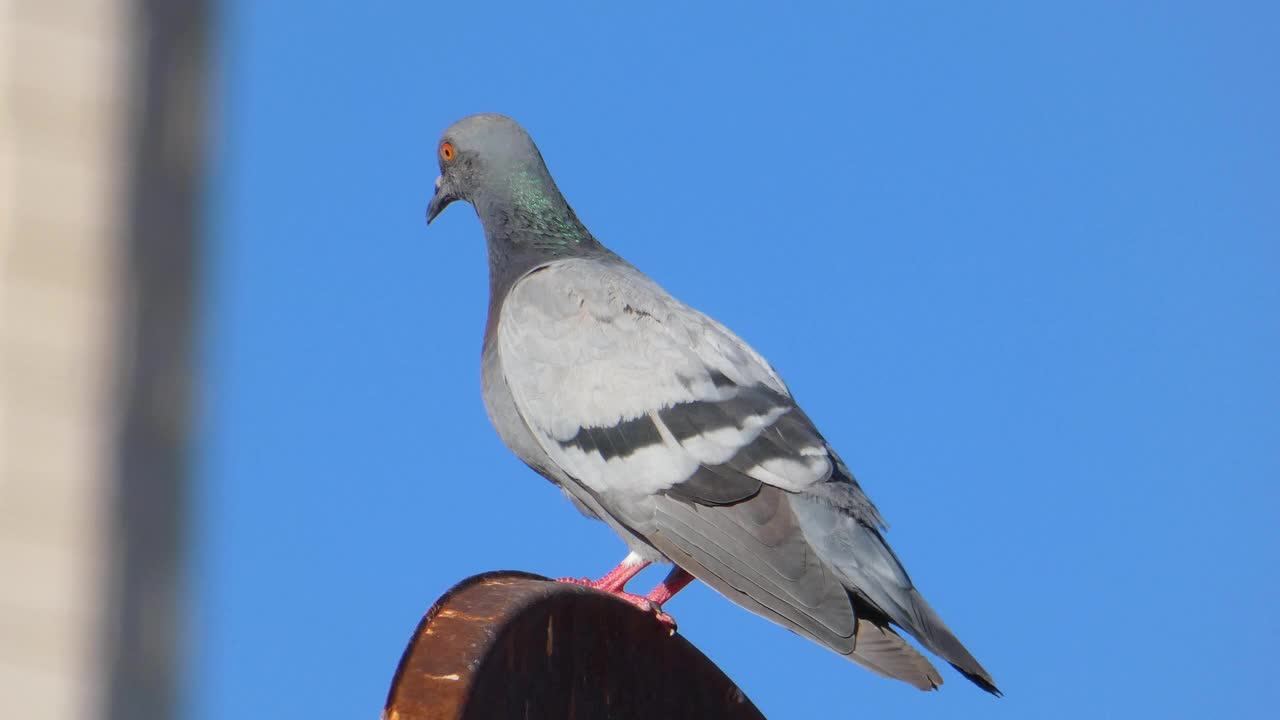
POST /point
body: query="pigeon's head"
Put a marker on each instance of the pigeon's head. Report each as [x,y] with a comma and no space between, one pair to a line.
[486,159]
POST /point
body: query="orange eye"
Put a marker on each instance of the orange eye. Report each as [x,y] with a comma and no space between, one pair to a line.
[446,151]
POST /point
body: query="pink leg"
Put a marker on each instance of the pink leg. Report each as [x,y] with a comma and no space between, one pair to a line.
[616,580]
[676,581]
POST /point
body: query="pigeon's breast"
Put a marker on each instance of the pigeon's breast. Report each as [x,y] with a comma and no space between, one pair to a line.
[500,407]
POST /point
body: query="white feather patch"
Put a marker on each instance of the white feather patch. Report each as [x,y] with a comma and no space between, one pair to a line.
[792,474]
[645,471]
[715,447]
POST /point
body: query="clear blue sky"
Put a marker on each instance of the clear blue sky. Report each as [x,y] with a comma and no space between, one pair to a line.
[1021,265]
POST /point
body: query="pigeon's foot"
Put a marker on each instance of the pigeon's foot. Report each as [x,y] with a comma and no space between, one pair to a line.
[616,580]
[600,584]
[644,603]
[613,581]
[675,581]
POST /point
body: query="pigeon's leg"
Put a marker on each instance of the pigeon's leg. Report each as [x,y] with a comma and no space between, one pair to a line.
[675,581]
[616,579]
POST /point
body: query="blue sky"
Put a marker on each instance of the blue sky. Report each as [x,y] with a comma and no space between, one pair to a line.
[1018,263]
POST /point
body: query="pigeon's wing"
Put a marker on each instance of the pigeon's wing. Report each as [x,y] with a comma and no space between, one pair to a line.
[633,393]
[691,439]
[736,550]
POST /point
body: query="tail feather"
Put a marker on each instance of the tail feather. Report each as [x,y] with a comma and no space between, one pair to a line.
[925,624]
[874,575]
[882,651]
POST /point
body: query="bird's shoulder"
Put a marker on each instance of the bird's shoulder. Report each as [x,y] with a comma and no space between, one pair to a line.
[576,309]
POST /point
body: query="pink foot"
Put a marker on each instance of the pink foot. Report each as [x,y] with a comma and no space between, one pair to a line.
[614,582]
[584,582]
[647,605]
[639,601]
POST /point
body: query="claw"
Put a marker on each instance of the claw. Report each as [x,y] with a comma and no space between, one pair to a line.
[666,620]
[645,604]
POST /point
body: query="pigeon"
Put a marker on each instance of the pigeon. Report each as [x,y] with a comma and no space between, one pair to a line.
[662,423]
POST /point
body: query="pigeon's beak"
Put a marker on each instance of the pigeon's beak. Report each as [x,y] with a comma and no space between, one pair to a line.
[444,195]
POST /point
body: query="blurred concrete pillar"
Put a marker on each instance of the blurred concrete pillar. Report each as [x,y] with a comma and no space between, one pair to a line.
[101,111]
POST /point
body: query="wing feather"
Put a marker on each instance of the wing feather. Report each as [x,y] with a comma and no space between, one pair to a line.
[612,375]
[754,554]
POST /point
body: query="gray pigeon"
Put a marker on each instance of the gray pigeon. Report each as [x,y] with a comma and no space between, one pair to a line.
[659,421]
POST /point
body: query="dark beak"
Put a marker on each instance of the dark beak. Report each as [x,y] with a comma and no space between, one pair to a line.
[444,195]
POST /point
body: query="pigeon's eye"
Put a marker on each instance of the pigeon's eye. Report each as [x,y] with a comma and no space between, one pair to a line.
[446,151]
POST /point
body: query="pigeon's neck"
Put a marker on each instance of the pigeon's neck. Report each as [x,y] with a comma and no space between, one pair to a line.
[528,223]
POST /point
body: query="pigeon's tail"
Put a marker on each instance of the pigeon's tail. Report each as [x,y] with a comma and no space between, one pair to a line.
[882,651]
[923,622]
[873,574]
[755,554]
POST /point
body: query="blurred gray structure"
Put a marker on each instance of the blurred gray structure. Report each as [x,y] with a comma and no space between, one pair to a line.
[102,104]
